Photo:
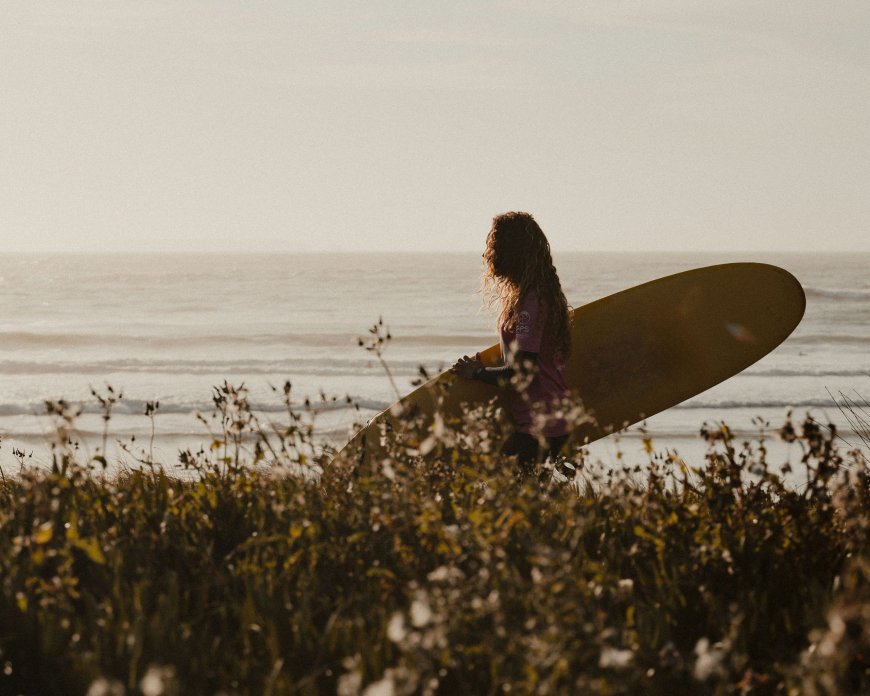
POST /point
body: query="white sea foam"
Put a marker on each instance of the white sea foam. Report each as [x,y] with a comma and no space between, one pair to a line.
[854,294]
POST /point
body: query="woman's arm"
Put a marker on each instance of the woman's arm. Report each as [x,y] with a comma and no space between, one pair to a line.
[524,362]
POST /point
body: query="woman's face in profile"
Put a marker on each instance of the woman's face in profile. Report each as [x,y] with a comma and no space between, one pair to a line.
[502,262]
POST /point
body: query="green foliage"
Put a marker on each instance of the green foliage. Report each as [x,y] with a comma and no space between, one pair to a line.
[271,566]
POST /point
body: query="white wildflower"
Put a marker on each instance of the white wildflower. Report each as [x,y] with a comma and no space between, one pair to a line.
[387,470]
[396,630]
[350,683]
[614,658]
[709,662]
[384,687]
[158,681]
[421,614]
[106,687]
[445,573]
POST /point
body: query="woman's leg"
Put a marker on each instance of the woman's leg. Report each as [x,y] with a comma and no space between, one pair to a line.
[525,448]
[528,451]
[555,445]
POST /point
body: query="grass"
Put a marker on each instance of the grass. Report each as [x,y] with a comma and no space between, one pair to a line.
[280,568]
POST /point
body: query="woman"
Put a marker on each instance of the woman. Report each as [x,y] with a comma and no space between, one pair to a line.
[534,326]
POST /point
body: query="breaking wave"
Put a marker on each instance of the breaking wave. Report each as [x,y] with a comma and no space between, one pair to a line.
[133,407]
[11,340]
[300,366]
[768,403]
[837,294]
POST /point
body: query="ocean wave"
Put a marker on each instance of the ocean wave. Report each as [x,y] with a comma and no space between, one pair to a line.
[824,339]
[133,407]
[323,367]
[136,407]
[791,372]
[316,367]
[161,435]
[837,294]
[10,340]
[728,404]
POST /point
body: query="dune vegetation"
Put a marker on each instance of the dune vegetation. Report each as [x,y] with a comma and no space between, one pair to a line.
[266,564]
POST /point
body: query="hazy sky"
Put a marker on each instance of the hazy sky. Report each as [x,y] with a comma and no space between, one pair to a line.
[289,125]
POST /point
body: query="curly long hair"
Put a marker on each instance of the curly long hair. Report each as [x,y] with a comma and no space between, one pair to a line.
[517,261]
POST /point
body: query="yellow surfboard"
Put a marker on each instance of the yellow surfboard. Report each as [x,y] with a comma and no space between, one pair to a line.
[637,352]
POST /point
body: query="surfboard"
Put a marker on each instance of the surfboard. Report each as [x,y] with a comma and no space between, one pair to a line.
[634,353]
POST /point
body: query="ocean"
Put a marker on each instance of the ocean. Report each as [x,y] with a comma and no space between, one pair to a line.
[170,327]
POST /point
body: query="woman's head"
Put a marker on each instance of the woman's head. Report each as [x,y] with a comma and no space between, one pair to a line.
[517,261]
[514,246]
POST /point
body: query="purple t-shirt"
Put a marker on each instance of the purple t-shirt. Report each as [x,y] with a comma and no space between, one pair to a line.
[548,385]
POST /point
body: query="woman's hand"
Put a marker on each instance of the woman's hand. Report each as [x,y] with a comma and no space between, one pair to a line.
[465,366]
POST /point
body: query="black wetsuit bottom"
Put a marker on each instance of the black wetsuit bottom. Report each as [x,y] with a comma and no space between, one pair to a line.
[529,452]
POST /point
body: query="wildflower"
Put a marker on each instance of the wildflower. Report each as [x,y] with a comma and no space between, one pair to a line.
[158,681]
[396,629]
[444,574]
[106,687]
[614,658]
[387,470]
[421,614]
[383,687]
[709,663]
[350,682]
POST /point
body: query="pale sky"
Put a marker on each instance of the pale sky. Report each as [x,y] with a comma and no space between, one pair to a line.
[286,125]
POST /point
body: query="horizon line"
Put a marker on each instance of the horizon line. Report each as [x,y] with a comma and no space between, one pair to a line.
[408,252]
